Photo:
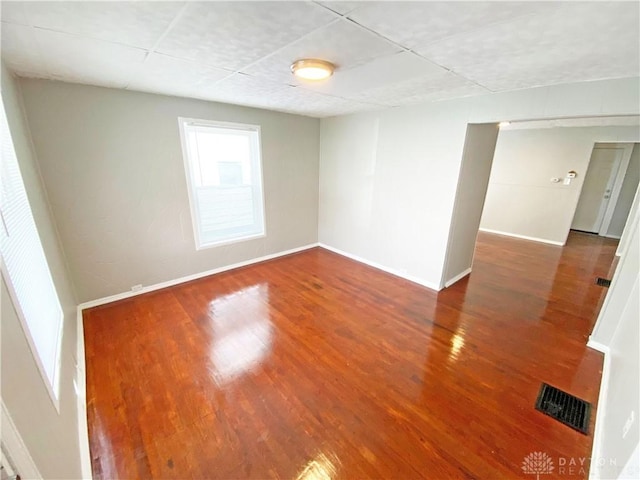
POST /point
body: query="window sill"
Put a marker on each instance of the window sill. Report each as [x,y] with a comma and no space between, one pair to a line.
[231,241]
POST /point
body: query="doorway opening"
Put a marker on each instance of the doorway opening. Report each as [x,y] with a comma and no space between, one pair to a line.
[608,189]
[524,180]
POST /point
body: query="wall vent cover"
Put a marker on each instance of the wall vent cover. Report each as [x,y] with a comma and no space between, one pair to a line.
[565,408]
[603,282]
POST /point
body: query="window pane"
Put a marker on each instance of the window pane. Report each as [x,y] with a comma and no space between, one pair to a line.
[231,173]
[214,148]
[225,180]
[25,266]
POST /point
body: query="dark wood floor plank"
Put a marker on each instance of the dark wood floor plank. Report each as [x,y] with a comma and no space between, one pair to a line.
[316,366]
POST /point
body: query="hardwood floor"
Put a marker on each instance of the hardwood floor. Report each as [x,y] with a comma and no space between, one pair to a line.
[313,366]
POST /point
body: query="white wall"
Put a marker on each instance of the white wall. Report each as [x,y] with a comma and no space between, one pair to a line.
[388,179]
[479,147]
[521,200]
[617,332]
[51,438]
[385,186]
[112,164]
[627,193]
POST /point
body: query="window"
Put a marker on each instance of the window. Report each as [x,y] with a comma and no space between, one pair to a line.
[224,177]
[25,269]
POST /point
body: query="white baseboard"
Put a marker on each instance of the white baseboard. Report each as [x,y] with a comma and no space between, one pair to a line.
[601,347]
[392,271]
[81,401]
[188,278]
[16,448]
[83,430]
[460,276]
[523,237]
[616,237]
[602,401]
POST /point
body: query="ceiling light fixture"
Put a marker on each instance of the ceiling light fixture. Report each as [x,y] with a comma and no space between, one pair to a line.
[312,69]
[504,124]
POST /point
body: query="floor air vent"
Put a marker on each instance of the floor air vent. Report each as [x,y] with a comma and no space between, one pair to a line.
[603,282]
[565,408]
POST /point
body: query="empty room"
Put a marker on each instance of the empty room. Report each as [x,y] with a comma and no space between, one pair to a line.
[320,240]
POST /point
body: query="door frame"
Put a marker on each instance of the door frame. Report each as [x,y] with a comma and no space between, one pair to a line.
[621,172]
[629,225]
[14,446]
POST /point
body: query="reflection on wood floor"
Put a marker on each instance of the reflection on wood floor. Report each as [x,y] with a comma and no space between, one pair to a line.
[313,366]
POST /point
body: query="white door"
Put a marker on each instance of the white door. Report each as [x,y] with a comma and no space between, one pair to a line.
[597,188]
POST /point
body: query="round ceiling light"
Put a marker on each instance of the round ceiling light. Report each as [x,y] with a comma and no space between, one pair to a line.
[312,69]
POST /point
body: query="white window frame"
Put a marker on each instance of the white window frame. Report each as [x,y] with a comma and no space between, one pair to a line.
[191,183]
[52,385]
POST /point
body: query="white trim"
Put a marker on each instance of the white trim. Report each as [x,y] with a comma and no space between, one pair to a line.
[630,229]
[188,278]
[600,347]
[523,237]
[189,181]
[629,225]
[16,448]
[52,387]
[621,172]
[598,430]
[200,122]
[7,465]
[81,401]
[231,241]
[615,237]
[392,271]
[256,168]
[460,276]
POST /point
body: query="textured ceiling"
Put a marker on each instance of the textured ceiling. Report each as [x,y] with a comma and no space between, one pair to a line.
[388,53]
